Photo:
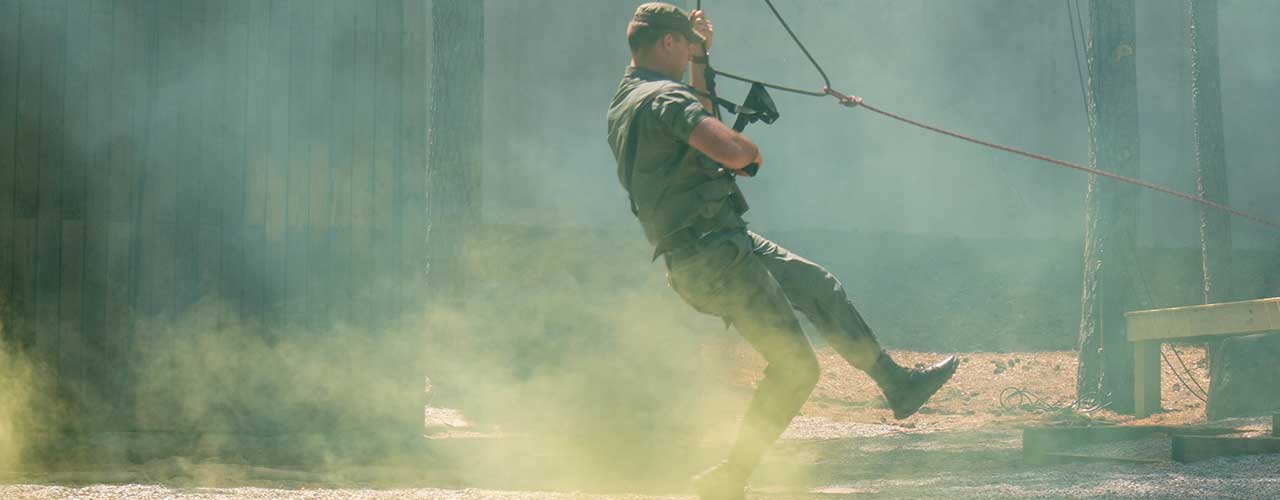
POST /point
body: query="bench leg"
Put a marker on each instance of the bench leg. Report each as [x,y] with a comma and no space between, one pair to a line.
[1146,378]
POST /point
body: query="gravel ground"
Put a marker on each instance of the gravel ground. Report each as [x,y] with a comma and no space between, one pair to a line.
[965,445]
[970,464]
[1248,477]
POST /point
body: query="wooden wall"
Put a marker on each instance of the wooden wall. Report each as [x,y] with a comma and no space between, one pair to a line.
[265,156]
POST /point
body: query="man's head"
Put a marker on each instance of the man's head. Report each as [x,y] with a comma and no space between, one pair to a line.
[662,38]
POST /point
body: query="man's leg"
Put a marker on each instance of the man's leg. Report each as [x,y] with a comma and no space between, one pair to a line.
[819,295]
[727,280]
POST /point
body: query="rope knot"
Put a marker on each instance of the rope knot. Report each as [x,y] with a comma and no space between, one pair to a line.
[849,101]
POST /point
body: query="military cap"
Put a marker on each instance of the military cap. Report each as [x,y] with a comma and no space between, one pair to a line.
[666,17]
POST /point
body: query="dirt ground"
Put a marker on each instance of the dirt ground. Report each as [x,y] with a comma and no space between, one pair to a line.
[964,444]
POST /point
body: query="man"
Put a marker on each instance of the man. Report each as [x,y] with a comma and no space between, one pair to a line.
[677,163]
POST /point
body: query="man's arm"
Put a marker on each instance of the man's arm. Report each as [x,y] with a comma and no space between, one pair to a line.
[698,80]
[719,142]
[724,145]
[698,71]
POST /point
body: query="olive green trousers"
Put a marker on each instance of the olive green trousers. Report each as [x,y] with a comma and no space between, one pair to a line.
[756,285]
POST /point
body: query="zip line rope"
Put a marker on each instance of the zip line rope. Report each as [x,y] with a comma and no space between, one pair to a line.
[852,101]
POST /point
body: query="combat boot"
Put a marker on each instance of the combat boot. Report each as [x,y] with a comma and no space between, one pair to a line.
[907,390]
[720,482]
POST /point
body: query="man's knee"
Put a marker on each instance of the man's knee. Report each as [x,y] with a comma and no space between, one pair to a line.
[808,373]
[803,371]
[798,369]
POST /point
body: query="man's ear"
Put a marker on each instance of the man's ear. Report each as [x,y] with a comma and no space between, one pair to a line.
[668,41]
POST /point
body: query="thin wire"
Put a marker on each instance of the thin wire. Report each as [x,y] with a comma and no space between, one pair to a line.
[1178,355]
[1027,400]
[1183,382]
[1083,38]
[826,81]
[1075,47]
[772,85]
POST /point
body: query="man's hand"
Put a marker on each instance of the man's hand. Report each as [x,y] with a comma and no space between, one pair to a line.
[758,162]
[702,27]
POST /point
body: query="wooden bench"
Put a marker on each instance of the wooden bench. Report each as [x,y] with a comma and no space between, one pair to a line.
[1148,329]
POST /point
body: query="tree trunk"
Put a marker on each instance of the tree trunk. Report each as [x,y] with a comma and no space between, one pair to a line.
[1210,150]
[1106,358]
[454,141]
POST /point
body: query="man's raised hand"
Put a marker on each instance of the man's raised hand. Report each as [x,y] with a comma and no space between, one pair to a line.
[702,26]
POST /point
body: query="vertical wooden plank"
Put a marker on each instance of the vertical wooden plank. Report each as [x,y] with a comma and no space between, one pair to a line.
[319,217]
[187,51]
[130,77]
[118,328]
[53,19]
[71,376]
[101,127]
[160,188]
[301,130]
[26,173]
[232,101]
[129,269]
[9,39]
[413,154]
[9,35]
[155,252]
[386,217]
[1146,378]
[365,88]
[131,68]
[278,161]
[257,158]
[343,63]
[22,291]
[75,144]
[207,257]
[212,147]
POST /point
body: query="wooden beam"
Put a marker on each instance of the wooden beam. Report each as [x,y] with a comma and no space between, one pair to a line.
[1196,448]
[1049,445]
[1228,318]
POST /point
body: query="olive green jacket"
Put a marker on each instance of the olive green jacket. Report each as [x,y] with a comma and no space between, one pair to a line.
[678,193]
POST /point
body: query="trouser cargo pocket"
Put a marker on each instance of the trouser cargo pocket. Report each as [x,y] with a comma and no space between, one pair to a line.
[706,273]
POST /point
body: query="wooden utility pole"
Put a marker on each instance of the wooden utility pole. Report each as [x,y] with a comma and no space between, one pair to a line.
[1106,358]
[454,140]
[1210,150]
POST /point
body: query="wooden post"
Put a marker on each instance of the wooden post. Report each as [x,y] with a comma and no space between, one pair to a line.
[1210,154]
[1111,208]
[1210,150]
[1146,380]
